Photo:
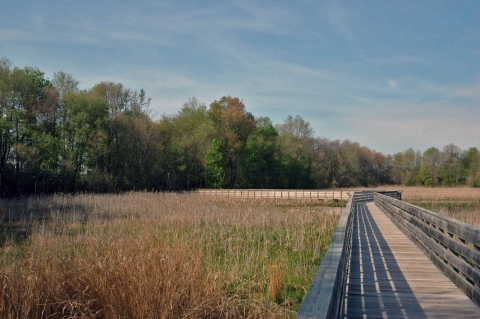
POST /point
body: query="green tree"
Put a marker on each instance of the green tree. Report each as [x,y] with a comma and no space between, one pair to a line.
[349,166]
[452,166]
[326,161]
[28,112]
[258,162]
[120,102]
[294,149]
[64,83]
[432,162]
[7,111]
[216,163]
[82,125]
[471,164]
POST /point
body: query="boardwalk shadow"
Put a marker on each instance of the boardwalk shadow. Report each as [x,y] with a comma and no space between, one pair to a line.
[377,287]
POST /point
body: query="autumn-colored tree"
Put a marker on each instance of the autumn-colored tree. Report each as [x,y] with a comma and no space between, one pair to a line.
[233,125]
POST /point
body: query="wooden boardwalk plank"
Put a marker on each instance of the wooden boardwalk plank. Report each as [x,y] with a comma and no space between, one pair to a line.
[390,277]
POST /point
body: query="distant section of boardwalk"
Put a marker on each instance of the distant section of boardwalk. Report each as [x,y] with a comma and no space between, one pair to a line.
[390,277]
[337,194]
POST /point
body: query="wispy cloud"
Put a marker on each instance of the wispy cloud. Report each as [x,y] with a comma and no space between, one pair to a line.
[400,59]
[339,18]
[471,91]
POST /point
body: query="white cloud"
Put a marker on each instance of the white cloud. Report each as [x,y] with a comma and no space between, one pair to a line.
[392,83]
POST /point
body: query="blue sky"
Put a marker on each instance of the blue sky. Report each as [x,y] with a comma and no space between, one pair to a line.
[388,74]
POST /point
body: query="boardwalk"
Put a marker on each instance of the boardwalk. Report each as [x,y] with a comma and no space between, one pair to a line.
[389,277]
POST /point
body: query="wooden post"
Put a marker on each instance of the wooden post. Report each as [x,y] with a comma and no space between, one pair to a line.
[333,202]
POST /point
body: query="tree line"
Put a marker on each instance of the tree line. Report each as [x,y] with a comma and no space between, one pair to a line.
[56,138]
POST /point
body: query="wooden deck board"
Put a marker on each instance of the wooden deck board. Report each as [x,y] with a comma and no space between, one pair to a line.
[390,277]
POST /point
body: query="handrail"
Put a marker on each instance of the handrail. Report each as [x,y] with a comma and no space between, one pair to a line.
[324,299]
[367,195]
[317,194]
[453,246]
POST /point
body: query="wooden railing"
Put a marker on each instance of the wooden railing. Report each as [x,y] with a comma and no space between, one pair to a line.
[336,195]
[325,297]
[453,246]
[367,196]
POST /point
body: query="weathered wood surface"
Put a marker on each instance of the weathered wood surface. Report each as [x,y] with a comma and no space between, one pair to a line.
[453,246]
[390,277]
[367,195]
[325,298]
[340,194]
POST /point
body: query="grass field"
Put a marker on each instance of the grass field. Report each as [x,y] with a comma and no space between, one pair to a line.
[143,255]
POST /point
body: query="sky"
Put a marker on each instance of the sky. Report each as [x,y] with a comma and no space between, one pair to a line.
[390,75]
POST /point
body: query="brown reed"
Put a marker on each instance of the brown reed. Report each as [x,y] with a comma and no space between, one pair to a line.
[145,255]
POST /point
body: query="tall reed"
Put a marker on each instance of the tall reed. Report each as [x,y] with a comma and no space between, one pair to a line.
[145,255]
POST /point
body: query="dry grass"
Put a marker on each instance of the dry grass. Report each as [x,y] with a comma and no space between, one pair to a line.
[440,194]
[461,203]
[144,255]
